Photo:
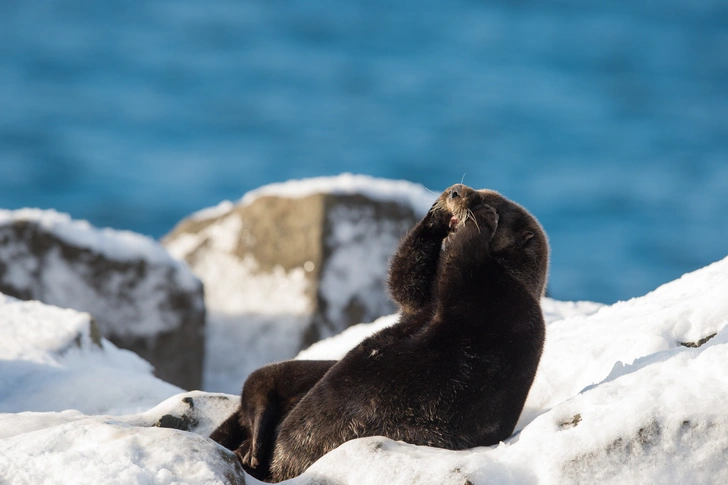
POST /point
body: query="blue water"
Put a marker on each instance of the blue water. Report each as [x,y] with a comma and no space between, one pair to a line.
[608,120]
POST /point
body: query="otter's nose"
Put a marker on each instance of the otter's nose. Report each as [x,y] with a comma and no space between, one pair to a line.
[454,193]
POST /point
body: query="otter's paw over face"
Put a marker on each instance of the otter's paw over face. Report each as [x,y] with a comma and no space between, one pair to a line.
[467,208]
[438,218]
[513,236]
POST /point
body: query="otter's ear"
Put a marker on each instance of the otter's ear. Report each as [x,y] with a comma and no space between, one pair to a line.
[525,236]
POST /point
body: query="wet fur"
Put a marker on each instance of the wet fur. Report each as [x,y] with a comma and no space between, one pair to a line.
[456,370]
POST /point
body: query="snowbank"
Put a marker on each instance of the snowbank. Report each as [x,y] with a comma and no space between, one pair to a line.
[60,384]
[95,451]
[52,359]
[165,445]
[633,393]
[629,393]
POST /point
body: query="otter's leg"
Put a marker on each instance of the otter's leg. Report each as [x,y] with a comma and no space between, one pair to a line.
[263,427]
[413,268]
[230,433]
[268,396]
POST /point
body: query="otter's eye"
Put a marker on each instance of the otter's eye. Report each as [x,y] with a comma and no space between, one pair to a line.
[525,237]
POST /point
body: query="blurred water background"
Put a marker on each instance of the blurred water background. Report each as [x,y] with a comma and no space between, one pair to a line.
[608,120]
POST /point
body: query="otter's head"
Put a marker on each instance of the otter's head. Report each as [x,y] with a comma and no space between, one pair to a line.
[519,243]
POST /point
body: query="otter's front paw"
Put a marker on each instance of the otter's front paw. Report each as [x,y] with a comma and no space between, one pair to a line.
[488,217]
[438,219]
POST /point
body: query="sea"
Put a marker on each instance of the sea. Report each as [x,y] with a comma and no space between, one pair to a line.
[607,120]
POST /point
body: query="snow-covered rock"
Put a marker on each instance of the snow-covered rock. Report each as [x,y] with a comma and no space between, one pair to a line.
[165,445]
[140,297]
[95,451]
[291,263]
[195,411]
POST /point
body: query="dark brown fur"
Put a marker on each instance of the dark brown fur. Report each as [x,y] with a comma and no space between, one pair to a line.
[268,395]
[456,370]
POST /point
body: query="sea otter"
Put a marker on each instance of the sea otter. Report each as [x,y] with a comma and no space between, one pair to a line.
[272,391]
[456,370]
[472,271]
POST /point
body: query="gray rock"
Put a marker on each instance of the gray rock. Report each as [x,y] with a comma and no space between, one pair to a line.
[141,299]
[282,272]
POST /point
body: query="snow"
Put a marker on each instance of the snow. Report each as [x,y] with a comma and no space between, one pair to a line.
[334,348]
[213,212]
[582,351]
[76,409]
[620,397]
[417,197]
[356,268]
[386,190]
[617,399]
[107,451]
[206,413]
[114,244]
[51,359]
[65,447]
